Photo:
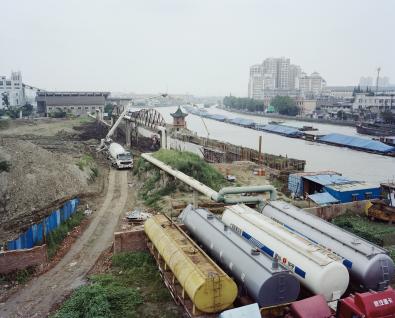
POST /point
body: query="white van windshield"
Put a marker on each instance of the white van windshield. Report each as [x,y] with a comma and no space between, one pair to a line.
[124,156]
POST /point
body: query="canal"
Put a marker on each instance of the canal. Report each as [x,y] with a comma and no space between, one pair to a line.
[351,163]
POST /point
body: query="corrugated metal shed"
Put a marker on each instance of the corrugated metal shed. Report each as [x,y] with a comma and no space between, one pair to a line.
[356,142]
[353,191]
[295,180]
[323,198]
[326,179]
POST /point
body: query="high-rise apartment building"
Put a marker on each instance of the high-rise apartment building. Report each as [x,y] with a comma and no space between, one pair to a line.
[295,71]
[283,73]
[311,85]
[277,76]
[13,87]
[256,83]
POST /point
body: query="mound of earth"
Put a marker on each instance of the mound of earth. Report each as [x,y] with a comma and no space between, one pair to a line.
[35,180]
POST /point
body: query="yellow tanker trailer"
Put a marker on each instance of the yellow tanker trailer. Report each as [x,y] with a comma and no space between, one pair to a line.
[208,287]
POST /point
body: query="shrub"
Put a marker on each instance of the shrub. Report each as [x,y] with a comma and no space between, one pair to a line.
[56,237]
[5,166]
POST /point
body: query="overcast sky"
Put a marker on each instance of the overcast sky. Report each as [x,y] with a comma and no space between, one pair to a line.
[203,47]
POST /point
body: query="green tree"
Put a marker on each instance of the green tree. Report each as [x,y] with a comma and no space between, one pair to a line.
[242,103]
[58,113]
[4,97]
[108,109]
[27,109]
[388,117]
[285,105]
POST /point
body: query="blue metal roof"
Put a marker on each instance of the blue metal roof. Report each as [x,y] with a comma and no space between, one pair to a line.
[322,198]
[327,179]
[357,142]
[281,129]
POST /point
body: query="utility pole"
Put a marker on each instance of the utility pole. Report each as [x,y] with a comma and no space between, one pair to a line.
[377,79]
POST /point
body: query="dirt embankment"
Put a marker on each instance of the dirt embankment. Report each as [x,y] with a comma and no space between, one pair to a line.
[44,170]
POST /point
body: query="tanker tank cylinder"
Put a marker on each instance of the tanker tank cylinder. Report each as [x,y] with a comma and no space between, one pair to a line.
[369,265]
[318,269]
[265,283]
[209,288]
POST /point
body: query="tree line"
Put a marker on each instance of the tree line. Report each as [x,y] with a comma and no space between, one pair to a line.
[283,105]
[243,103]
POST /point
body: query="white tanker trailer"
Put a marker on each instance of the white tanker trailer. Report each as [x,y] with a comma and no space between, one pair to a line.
[317,269]
[119,157]
[268,282]
[369,265]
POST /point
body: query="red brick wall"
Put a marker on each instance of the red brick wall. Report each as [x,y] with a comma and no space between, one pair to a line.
[129,241]
[21,259]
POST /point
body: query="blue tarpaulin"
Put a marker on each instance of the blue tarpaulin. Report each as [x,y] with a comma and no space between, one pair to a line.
[242,122]
[323,198]
[281,129]
[217,117]
[356,142]
[34,235]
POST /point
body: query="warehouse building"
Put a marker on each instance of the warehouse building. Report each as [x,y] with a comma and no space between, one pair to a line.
[76,103]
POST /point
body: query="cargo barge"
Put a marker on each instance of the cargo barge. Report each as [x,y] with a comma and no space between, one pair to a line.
[375,129]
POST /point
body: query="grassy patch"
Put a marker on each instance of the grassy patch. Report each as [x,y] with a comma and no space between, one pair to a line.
[56,237]
[192,165]
[85,120]
[133,288]
[88,163]
[4,123]
[153,190]
[85,161]
[20,276]
[363,227]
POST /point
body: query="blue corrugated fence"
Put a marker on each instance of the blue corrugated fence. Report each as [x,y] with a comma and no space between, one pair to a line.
[35,233]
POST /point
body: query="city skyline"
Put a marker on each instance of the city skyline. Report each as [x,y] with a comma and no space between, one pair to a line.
[195,47]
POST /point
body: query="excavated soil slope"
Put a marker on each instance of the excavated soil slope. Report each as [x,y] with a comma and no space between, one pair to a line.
[37,178]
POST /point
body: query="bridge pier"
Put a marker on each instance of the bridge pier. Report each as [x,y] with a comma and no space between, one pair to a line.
[128,131]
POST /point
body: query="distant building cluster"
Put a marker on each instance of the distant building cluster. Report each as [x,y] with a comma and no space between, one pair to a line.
[277,76]
[13,87]
[368,81]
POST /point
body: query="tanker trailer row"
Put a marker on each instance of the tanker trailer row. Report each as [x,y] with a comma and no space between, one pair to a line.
[369,265]
[266,281]
[208,287]
[318,269]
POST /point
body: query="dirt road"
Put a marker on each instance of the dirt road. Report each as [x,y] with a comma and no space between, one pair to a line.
[40,294]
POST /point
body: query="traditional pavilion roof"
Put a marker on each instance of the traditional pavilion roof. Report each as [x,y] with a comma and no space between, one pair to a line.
[179,113]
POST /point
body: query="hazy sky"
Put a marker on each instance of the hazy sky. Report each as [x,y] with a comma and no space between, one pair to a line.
[203,47]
